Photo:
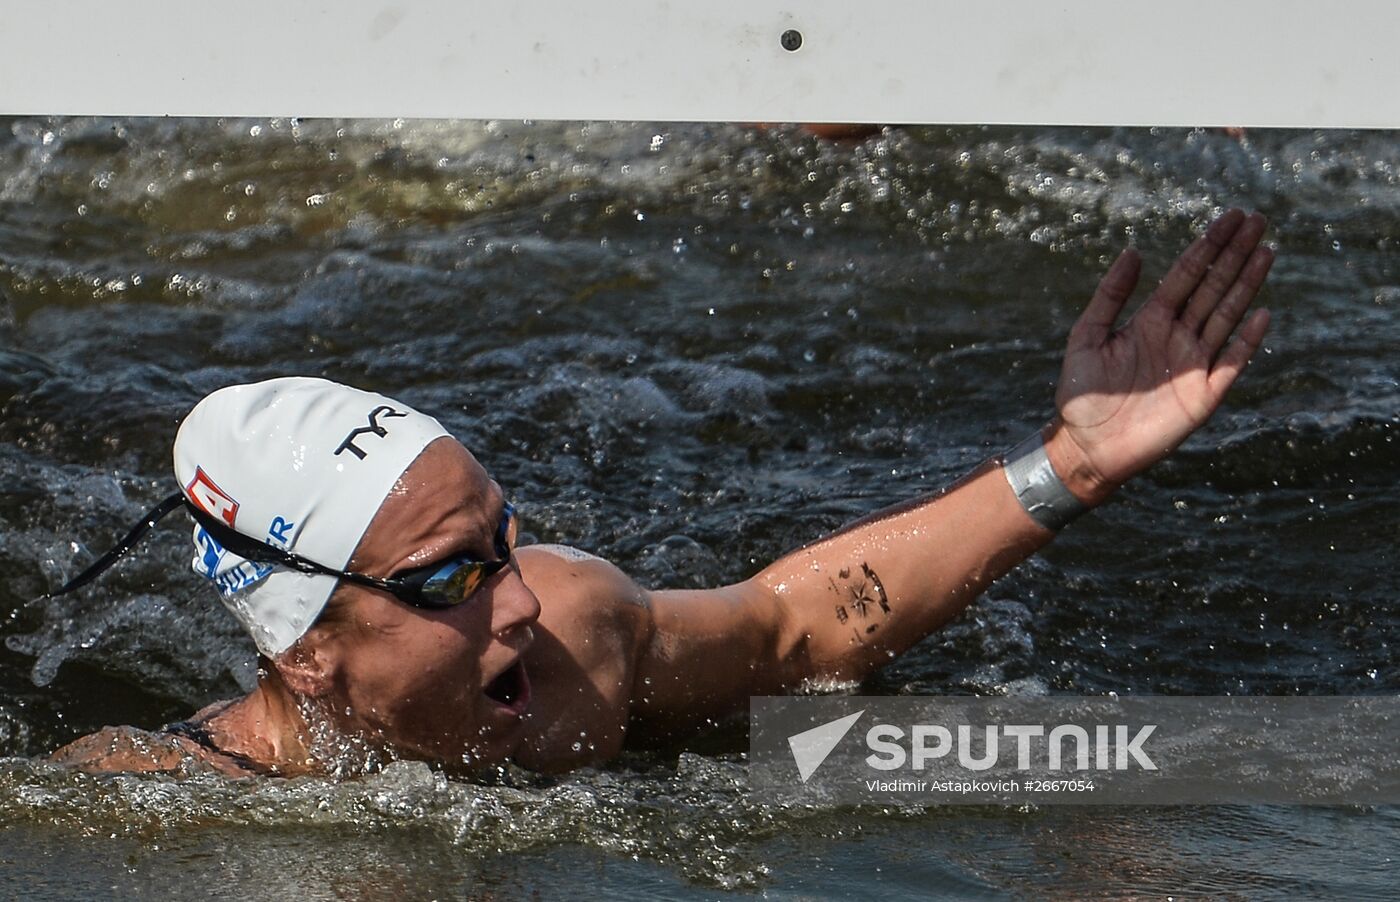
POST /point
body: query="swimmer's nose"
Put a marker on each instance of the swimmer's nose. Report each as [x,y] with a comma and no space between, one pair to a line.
[516,606]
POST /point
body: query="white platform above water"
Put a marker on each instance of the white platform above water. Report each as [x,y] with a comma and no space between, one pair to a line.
[1088,62]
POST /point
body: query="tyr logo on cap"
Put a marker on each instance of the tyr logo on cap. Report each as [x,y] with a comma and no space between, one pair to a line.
[211,499]
[373,427]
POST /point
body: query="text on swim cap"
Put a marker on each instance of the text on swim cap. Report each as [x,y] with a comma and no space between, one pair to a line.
[277,532]
[210,558]
[373,427]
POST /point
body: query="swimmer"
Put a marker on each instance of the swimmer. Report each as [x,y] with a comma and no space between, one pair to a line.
[372,560]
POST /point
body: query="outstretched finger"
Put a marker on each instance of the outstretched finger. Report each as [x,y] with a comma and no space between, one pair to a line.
[1230,311]
[1231,363]
[1223,272]
[1191,267]
[1117,285]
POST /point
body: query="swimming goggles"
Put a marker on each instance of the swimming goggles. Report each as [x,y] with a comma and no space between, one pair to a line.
[438,585]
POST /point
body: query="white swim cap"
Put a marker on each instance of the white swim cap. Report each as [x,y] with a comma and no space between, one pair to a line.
[299,463]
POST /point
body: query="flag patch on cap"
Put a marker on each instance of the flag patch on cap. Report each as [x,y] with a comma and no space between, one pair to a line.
[211,499]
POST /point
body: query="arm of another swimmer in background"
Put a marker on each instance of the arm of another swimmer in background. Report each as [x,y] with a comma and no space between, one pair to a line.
[843,606]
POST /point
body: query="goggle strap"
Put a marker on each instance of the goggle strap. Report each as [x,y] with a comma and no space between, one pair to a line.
[240,544]
[119,551]
[251,549]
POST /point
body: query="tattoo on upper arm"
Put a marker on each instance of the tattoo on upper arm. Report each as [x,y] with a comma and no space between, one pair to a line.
[862,602]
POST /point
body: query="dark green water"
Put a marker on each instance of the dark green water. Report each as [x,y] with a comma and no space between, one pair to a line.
[688,349]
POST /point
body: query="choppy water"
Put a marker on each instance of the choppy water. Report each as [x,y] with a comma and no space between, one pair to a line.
[687,349]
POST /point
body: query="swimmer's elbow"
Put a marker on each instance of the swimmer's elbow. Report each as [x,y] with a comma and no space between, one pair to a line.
[788,649]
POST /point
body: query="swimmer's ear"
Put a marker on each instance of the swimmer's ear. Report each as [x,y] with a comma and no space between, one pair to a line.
[306,668]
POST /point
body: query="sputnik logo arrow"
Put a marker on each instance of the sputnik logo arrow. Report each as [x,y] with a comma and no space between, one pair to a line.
[811,747]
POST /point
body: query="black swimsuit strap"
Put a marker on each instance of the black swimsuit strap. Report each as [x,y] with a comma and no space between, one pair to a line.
[196,732]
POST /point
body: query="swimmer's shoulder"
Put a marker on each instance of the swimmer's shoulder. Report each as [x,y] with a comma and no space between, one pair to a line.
[594,623]
[584,598]
[562,572]
[126,749]
[109,750]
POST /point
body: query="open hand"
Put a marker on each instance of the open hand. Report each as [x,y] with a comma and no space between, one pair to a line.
[1128,396]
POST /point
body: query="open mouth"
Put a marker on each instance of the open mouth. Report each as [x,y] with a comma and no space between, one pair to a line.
[511,689]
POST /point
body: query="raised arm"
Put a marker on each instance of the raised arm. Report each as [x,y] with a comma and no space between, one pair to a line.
[847,604]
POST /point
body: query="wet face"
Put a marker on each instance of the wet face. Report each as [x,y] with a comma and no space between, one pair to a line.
[445,684]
